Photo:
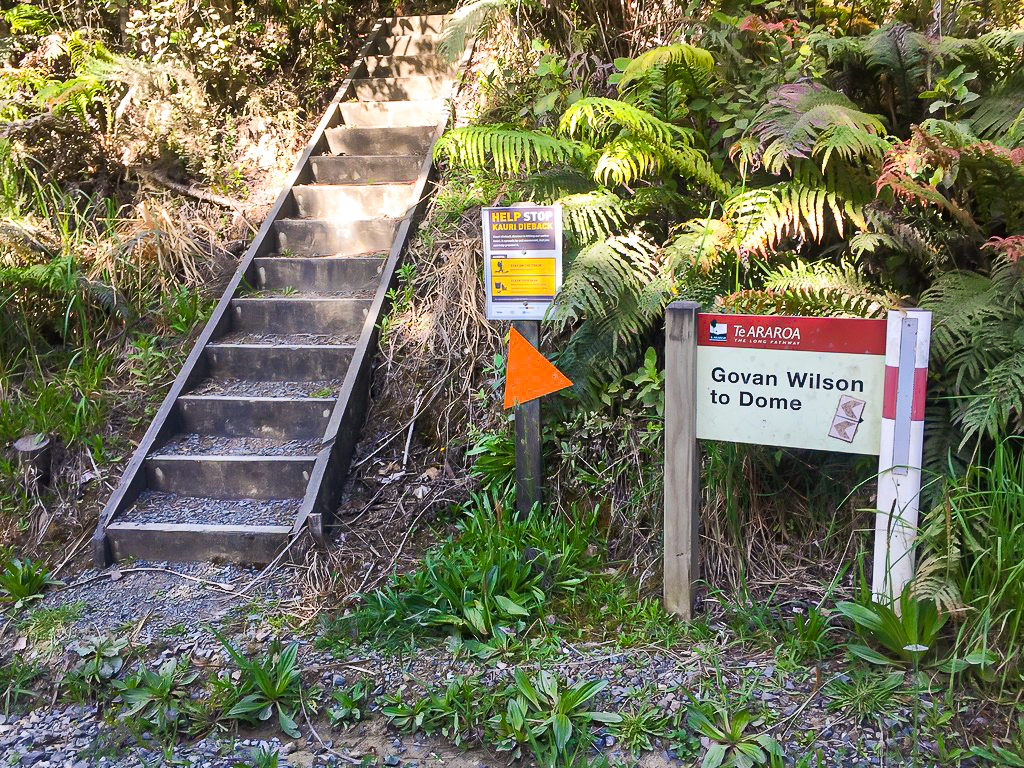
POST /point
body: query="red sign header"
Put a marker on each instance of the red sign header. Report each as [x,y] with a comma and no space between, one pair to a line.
[850,336]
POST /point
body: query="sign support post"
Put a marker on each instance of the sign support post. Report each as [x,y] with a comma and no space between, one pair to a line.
[682,459]
[908,337]
[529,456]
[522,274]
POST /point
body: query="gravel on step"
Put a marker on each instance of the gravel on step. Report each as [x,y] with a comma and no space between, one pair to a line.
[217,445]
[325,388]
[160,507]
[284,339]
[274,294]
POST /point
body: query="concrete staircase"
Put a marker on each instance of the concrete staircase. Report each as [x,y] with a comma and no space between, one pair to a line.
[252,443]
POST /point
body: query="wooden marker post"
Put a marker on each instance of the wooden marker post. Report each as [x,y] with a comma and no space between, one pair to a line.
[529,455]
[682,459]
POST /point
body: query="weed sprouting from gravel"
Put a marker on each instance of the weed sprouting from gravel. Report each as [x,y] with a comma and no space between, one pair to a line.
[493,574]
[15,678]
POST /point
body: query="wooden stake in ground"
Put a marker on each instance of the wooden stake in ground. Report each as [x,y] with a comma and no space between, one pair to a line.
[682,459]
[528,377]
[33,452]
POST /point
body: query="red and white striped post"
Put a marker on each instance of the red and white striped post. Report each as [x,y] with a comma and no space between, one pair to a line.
[908,338]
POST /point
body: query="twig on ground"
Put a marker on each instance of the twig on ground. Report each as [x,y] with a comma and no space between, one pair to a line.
[312,730]
[412,425]
[223,587]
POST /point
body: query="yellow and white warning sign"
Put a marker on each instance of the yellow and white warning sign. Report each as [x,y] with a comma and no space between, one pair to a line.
[522,260]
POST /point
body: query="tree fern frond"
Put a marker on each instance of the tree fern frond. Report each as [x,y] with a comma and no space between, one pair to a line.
[999,401]
[506,149]
[901,53]
[829,302]
[849,142]
[791,123]
[801,208]
[594,215]
[958,135]
[550,184]
[596,120]
[692,66]
[702,245]
[822,281]
[601,276]
[465,23]
[24,19]
[993,114]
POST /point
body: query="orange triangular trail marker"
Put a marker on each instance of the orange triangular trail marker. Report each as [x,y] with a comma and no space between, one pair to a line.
[529,375]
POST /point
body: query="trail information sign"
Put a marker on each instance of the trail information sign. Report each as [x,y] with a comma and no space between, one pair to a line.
[799,382]
[522,260]
[835,384]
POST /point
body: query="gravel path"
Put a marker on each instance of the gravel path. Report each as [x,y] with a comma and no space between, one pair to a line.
[326,388]
[216,445]
[158,507]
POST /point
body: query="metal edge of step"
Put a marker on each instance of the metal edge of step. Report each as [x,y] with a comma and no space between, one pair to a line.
[133,479]
[331,467]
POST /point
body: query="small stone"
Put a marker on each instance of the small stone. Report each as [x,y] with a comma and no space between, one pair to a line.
[609,740]
[289,747]
[338,680]
[392,760]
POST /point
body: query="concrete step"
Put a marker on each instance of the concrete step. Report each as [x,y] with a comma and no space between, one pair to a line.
[400,88]
[230,477]
[405,66]
[418,25]
[327,273]
[298,315]
[368,169]
[363,201]
[412,140]
[408,45]
[386,114]
[317,237]
[277,418]
[278,362]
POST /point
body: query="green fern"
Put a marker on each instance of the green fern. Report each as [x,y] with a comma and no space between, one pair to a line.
[804,119]
[29,20]
[995,114]
[691,66]
[596,120]
[978,343]
[506,149]
[465,23]
[830,289]
[593,216]
[800,209]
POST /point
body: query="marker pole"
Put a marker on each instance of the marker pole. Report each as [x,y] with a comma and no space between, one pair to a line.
[528,439]
[908,337]
[681,564]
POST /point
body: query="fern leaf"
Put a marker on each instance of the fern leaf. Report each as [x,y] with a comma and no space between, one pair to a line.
[593,216]
[702,245]
[596,120]
[692,66]
[797,116]
[465,23]
[505,149]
